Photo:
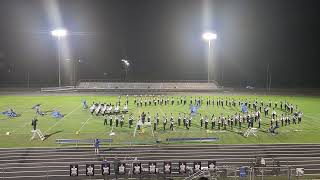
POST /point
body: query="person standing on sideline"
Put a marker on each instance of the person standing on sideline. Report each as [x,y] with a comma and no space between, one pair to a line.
[96,146]
[34,123]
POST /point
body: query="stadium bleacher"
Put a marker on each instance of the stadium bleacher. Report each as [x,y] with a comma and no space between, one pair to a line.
[54,163]
[149,85]
[105,85]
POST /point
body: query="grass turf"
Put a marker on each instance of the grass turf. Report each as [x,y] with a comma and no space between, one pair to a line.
[89,127]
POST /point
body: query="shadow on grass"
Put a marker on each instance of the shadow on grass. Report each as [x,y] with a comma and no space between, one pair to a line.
[48,135]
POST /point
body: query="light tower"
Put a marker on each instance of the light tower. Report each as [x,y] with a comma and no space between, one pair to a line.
[59,33]
[208,36]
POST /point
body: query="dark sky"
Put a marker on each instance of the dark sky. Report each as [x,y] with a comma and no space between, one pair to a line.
[162,39]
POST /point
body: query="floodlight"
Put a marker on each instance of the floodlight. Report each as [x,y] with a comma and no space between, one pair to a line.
[126,62]
[59,32]
[209,36]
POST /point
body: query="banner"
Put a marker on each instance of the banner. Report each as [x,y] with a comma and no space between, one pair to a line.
[167,168]
[74,170]
[90,169]
[152,167]
[211,165]
[182,167]
[105,169]
[197,166]
[136,168]
[122,168]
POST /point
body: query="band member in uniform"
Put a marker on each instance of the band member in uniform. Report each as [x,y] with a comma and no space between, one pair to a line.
[130,120]
[206,122]
[225,123]
[231,122]
[110,120]
[157,118]
[121,121]
[187,124]
[201,121]
[164,122]
[155,123]
[139,122]
[300,117]
[273,114]
[179,119]
[143,117]
[105,121]
[171,124]
[213,122]
[117,120]
[149,117]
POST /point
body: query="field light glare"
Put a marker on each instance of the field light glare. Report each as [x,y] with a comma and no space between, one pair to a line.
[209,36]
[59,32]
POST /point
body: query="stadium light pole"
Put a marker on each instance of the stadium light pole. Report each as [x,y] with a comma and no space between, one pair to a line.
[126,66]
[59,33]
[208,36]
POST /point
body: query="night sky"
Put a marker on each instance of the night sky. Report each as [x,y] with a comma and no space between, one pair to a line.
[162,40]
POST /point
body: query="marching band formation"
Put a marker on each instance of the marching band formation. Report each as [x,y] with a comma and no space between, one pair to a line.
[247,112]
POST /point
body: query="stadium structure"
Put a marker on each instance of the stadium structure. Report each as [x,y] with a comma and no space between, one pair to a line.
[74,158]
[85,90]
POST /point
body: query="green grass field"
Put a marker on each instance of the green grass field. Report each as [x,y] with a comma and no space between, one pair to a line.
[89,127]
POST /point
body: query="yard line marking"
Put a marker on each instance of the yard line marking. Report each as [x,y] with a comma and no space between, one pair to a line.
[85,123]
[62,119]
[20,127]
[111,130]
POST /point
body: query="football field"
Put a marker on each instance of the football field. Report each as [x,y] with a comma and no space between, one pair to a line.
[80,124]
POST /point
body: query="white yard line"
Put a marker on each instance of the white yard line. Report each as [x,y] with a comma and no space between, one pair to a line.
[151,129]
[20,127]
[25,124]
[85,123]
[111,130]
[64,117]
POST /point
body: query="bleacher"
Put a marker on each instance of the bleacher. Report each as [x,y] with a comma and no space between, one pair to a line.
[54,163]
[162,86]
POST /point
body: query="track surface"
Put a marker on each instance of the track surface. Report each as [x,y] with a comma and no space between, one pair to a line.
[38,163]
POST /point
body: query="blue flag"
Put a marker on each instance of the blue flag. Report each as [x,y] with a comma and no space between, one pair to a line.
[194,109]
[244,108]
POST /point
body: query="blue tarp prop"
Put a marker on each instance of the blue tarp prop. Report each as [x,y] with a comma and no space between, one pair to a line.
[10,113]
[194,109]
[56,114]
